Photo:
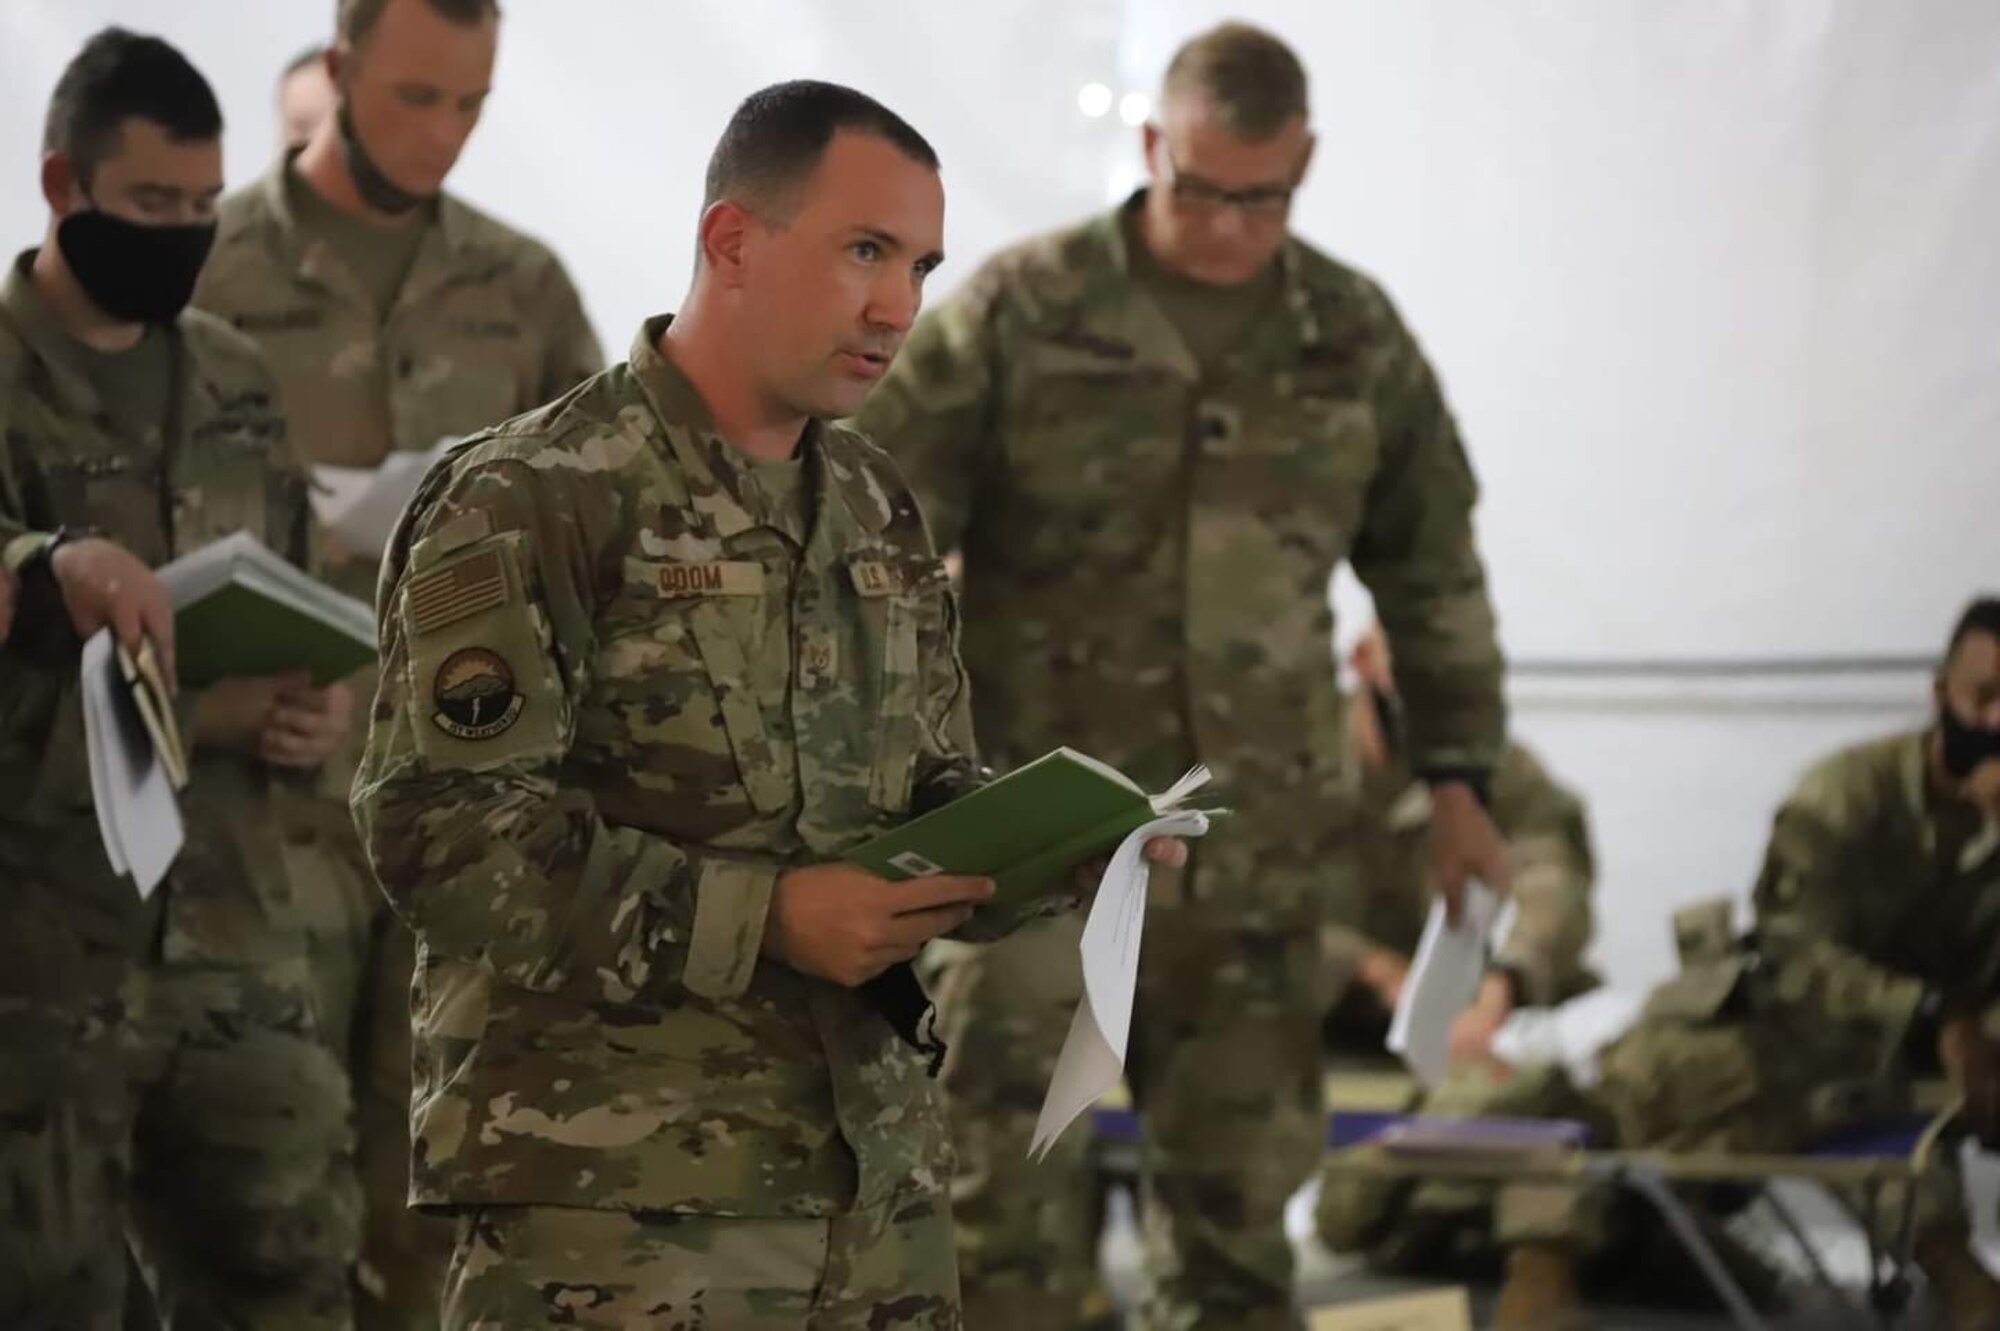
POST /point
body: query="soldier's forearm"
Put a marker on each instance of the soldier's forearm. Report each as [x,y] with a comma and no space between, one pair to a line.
[1448,671]
[528,880]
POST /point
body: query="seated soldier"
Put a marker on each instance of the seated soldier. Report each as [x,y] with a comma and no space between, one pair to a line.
[1877,940]
[1548,845]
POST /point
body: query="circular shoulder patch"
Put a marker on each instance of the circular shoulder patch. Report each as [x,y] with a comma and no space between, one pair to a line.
[475,695]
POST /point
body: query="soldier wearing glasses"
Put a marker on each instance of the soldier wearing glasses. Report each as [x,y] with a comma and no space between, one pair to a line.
[1152,437]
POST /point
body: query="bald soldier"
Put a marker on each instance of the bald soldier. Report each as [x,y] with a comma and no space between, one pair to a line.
[1154,436]
[1377,919]
[163,1076]
[394,315]
[654,658]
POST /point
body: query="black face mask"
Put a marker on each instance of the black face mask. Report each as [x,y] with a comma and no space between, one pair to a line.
[1965,746]
[132,271]
[375,188]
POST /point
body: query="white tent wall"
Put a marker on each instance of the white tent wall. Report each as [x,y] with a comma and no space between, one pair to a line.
[1711,287]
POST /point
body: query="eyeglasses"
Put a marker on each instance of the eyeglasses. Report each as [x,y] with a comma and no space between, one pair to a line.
[1263,202]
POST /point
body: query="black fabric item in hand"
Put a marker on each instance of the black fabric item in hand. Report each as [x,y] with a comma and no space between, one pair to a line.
[897,993]
[899,996]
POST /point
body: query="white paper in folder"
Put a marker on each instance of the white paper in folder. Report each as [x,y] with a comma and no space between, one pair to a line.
[137,816]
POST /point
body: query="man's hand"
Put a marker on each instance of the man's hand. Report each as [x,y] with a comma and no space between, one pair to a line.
[307,725]
[1464,844]
[1973,1064]
[1168,851]
[231,715]
[1473,1030]
[105,585]
[844,924]
[1384,972]
[9,594]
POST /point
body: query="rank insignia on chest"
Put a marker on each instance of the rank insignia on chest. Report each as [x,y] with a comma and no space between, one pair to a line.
[873,577]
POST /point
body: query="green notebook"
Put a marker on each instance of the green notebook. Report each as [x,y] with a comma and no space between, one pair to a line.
[241,610]
[1030,829]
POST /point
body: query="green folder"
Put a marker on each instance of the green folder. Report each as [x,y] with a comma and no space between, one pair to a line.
[1029,830]
[240,610]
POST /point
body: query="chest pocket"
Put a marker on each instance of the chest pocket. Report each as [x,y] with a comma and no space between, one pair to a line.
[902,614]
[1303,454]
[230,474]
[688,634]
[114,492]
[1065,453]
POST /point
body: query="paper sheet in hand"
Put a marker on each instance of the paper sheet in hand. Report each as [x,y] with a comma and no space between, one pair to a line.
[1093,1055]
[361,505]
[137,816]
[1444,978]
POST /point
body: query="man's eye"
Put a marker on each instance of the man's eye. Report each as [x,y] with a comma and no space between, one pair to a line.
[866,250]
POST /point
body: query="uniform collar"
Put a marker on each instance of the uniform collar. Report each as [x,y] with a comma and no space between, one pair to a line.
[447,233]
[718,474]
[36,325]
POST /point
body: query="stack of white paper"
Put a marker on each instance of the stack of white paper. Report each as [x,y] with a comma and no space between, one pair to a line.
[1443,980]
[1093,1055]
[360,506]
[137,816]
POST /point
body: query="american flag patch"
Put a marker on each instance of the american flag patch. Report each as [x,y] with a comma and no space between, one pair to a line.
[451,594]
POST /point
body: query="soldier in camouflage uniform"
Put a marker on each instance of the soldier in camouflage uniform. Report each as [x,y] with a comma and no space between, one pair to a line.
[1379,915]
[1154,436]
[393,315]
[1877,942]
[654,657]
[161,1068]
[1382,897]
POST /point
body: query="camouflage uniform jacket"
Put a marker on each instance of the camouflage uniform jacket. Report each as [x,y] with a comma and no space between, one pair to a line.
[487,325]
[1548,850]
[1882,890]
[216,465]
[616,702]
[1147,550]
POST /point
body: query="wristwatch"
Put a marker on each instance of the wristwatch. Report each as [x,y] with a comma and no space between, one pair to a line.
[1478,779]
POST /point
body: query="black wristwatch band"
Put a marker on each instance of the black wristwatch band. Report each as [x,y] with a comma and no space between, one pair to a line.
[1479,779]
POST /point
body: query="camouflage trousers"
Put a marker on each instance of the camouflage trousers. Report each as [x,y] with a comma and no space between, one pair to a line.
[886,1269]
[1769,1081]
[1224,1068]
[362,959]
[189,1110]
